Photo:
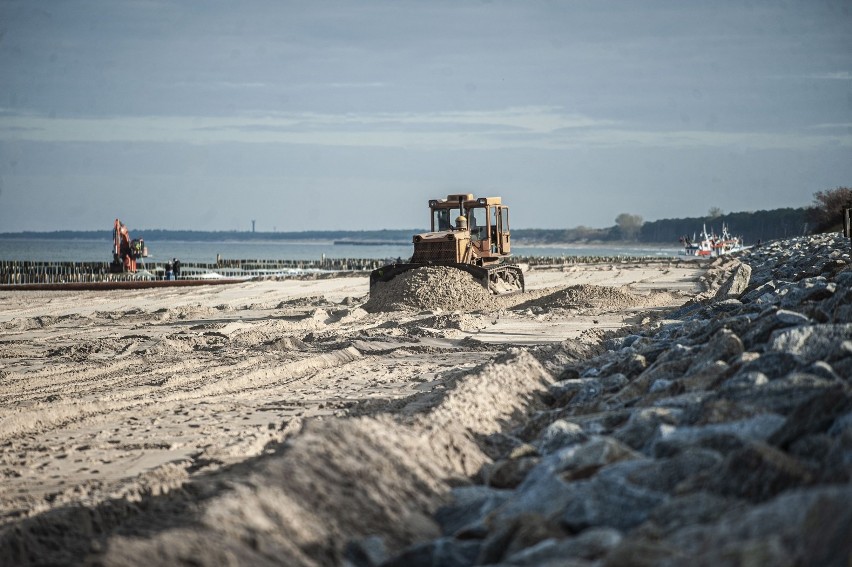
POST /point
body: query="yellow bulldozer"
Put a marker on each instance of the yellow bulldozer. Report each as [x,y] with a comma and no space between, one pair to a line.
[469,234]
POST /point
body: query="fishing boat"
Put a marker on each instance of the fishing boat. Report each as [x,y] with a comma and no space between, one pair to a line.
[710,244]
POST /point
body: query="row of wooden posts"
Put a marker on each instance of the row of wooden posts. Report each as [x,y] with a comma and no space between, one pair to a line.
[16,272]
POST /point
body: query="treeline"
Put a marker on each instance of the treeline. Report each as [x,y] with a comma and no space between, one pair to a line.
[758,225]
[559,235]
[751,226]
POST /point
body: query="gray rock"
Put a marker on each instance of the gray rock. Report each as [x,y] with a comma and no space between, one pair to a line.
[602,423]
[685,403]
[842,426]
[643,426]
[810,342]
[614,382]
[675,352]
[650,350]
[579,392]
[810,289]
[838,308]
[830,458]
[662,369]
[516,535]
[844,279]
[591,544]
[803,527]
[787,317]
[499,445]
[739,324]
[689,509]
[842,364]
[769,321]
[570,372]
[366,552]
[719,308]
[747,380]
[632,365]
[690,309]
[704,377]
[782,395]
[773,364]
[823,370]
[470,506]
[767,299]
[584,460]
[610,499]
[715,410]
[559,434]
[724,346]
[665,474]
[759,291]
[736,283]
[814,415]
[758,428]
[547,488]
[814,450]
[446,552]
[543,492]
[590,372]
[757,472]
[509,473]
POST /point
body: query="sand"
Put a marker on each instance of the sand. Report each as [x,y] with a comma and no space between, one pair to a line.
[124,396]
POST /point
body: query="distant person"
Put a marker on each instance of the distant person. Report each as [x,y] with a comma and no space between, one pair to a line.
[170,275]
[176,267]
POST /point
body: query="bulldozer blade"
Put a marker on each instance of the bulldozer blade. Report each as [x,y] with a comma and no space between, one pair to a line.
[503,279]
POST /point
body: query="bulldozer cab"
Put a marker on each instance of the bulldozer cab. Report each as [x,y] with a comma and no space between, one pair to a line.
[487,221]
[441,220]
[489,228]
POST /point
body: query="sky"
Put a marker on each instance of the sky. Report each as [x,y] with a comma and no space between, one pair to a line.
[351,115]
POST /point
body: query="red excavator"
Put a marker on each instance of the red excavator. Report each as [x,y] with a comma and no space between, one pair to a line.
[125,251]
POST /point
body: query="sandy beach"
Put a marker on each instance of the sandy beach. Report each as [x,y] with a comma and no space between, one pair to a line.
[114,394]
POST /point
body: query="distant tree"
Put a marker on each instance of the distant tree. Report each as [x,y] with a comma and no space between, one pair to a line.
[826,213]
[715,212]
[628,225]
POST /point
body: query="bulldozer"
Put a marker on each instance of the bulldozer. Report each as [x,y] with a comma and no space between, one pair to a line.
[476,241]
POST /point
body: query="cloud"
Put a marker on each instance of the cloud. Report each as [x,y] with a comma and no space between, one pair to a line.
[368,85]
[539,127]
[838,76]
[834,126]
[221,85]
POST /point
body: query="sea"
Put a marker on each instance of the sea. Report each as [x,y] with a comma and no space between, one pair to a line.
[74,250]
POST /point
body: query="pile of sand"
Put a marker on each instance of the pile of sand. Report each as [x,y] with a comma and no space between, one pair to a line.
[589,296]
[430,288]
